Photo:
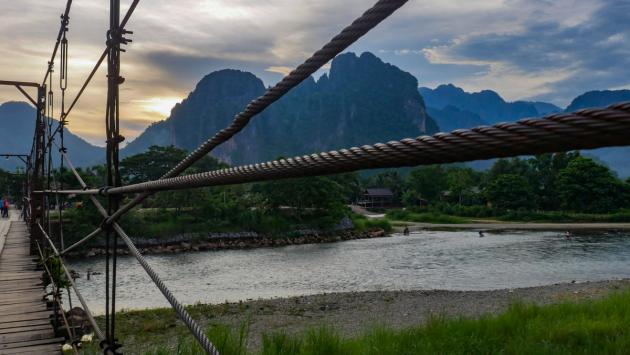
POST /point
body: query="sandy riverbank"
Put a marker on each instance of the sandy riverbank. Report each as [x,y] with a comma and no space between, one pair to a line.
[353,312]
[502,226]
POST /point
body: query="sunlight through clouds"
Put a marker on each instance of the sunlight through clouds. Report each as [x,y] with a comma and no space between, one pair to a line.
[551,50]
[160,105]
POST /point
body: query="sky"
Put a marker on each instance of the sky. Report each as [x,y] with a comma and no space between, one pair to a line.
[549,50]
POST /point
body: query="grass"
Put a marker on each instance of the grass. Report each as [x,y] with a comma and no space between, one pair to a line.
[362,223]
[589,327]
[424,217]
[566,217]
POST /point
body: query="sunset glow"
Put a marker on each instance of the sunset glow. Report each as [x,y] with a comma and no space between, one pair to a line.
[159,105]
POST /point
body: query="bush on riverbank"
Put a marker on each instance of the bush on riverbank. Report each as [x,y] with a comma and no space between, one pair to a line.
[565,328]
[362,223]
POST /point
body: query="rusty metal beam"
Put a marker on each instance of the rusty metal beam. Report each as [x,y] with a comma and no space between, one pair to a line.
[18,83]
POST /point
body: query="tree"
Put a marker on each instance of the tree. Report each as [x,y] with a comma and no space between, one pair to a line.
[545,170]
[461,182]
[586,186]
[156,161]
[314,192]
[514,166]
[425,183]
[510,191]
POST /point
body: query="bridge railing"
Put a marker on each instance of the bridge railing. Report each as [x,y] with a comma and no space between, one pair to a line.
[578,130]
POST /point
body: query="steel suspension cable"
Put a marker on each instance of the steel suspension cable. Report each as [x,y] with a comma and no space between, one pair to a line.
[183,315]
[100,60]
[97,329]
[370,19]
[583,129]
[64,17]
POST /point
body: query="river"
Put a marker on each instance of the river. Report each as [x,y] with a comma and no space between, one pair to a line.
[453,260]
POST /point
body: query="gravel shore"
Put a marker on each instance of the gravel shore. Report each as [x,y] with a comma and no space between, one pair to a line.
[353,312]
[503,226]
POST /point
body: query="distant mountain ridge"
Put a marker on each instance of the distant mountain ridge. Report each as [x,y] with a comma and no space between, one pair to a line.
[489,106]
[17,124]
[361,101]
[454,108]
[598,98]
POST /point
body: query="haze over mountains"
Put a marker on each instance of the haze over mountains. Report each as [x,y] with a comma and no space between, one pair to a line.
[360,101]
[17,124]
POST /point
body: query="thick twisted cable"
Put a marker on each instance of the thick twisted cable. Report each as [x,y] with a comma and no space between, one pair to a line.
[97,330]
[584,129]
[372,17]
[181,312]
[179,308]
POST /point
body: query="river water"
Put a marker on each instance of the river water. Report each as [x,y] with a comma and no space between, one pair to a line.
[457,260]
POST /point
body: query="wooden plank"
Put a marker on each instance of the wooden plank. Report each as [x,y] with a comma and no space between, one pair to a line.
[24,308]
[25,320]
[25,316]
[23,344]
[26,336]
[25,329]
[26,323]
[34,350]
[23,300]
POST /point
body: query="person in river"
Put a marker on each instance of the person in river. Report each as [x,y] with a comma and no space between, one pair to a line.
[481,234]
[568,235]
[406,231]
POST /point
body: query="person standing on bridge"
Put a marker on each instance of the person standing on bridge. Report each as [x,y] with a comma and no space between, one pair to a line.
[5,208]
[2,207]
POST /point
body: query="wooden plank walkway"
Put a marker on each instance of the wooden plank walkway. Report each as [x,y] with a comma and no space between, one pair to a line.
[25,326]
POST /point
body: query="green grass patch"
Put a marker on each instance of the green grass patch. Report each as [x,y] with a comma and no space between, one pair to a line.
[588,327]
[424,217]
[362,223]
[566,217]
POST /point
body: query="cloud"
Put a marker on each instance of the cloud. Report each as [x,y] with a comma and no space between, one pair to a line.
[551,50]
[279,69]
[562,61]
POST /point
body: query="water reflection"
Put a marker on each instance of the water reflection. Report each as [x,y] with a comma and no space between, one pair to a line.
[425,260]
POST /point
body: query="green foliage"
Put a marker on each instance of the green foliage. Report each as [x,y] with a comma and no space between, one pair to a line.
[11,185]
[588,327]
[423,217]
[58,276]
[462,183]
[509,191]
[303,193]
[157,160]
[362,223]
[425,183]
[587,186]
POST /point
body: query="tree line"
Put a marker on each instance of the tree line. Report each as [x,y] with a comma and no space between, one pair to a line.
[549,182]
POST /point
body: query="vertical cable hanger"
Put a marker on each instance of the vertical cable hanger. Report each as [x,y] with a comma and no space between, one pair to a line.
[115,38]
[63,84]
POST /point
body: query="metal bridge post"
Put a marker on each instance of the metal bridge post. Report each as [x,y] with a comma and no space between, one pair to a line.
[37,171]
[115,38]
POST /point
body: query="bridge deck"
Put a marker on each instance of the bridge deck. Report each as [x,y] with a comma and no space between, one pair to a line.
[25,326]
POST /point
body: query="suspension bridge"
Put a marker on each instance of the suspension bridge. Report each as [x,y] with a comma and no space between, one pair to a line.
[32,269]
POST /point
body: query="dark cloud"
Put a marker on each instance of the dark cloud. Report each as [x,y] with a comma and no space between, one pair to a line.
[189,69]
[595,52]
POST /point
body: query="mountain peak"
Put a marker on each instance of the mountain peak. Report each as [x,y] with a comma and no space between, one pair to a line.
[361,100]
[487,104]
[598,98]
